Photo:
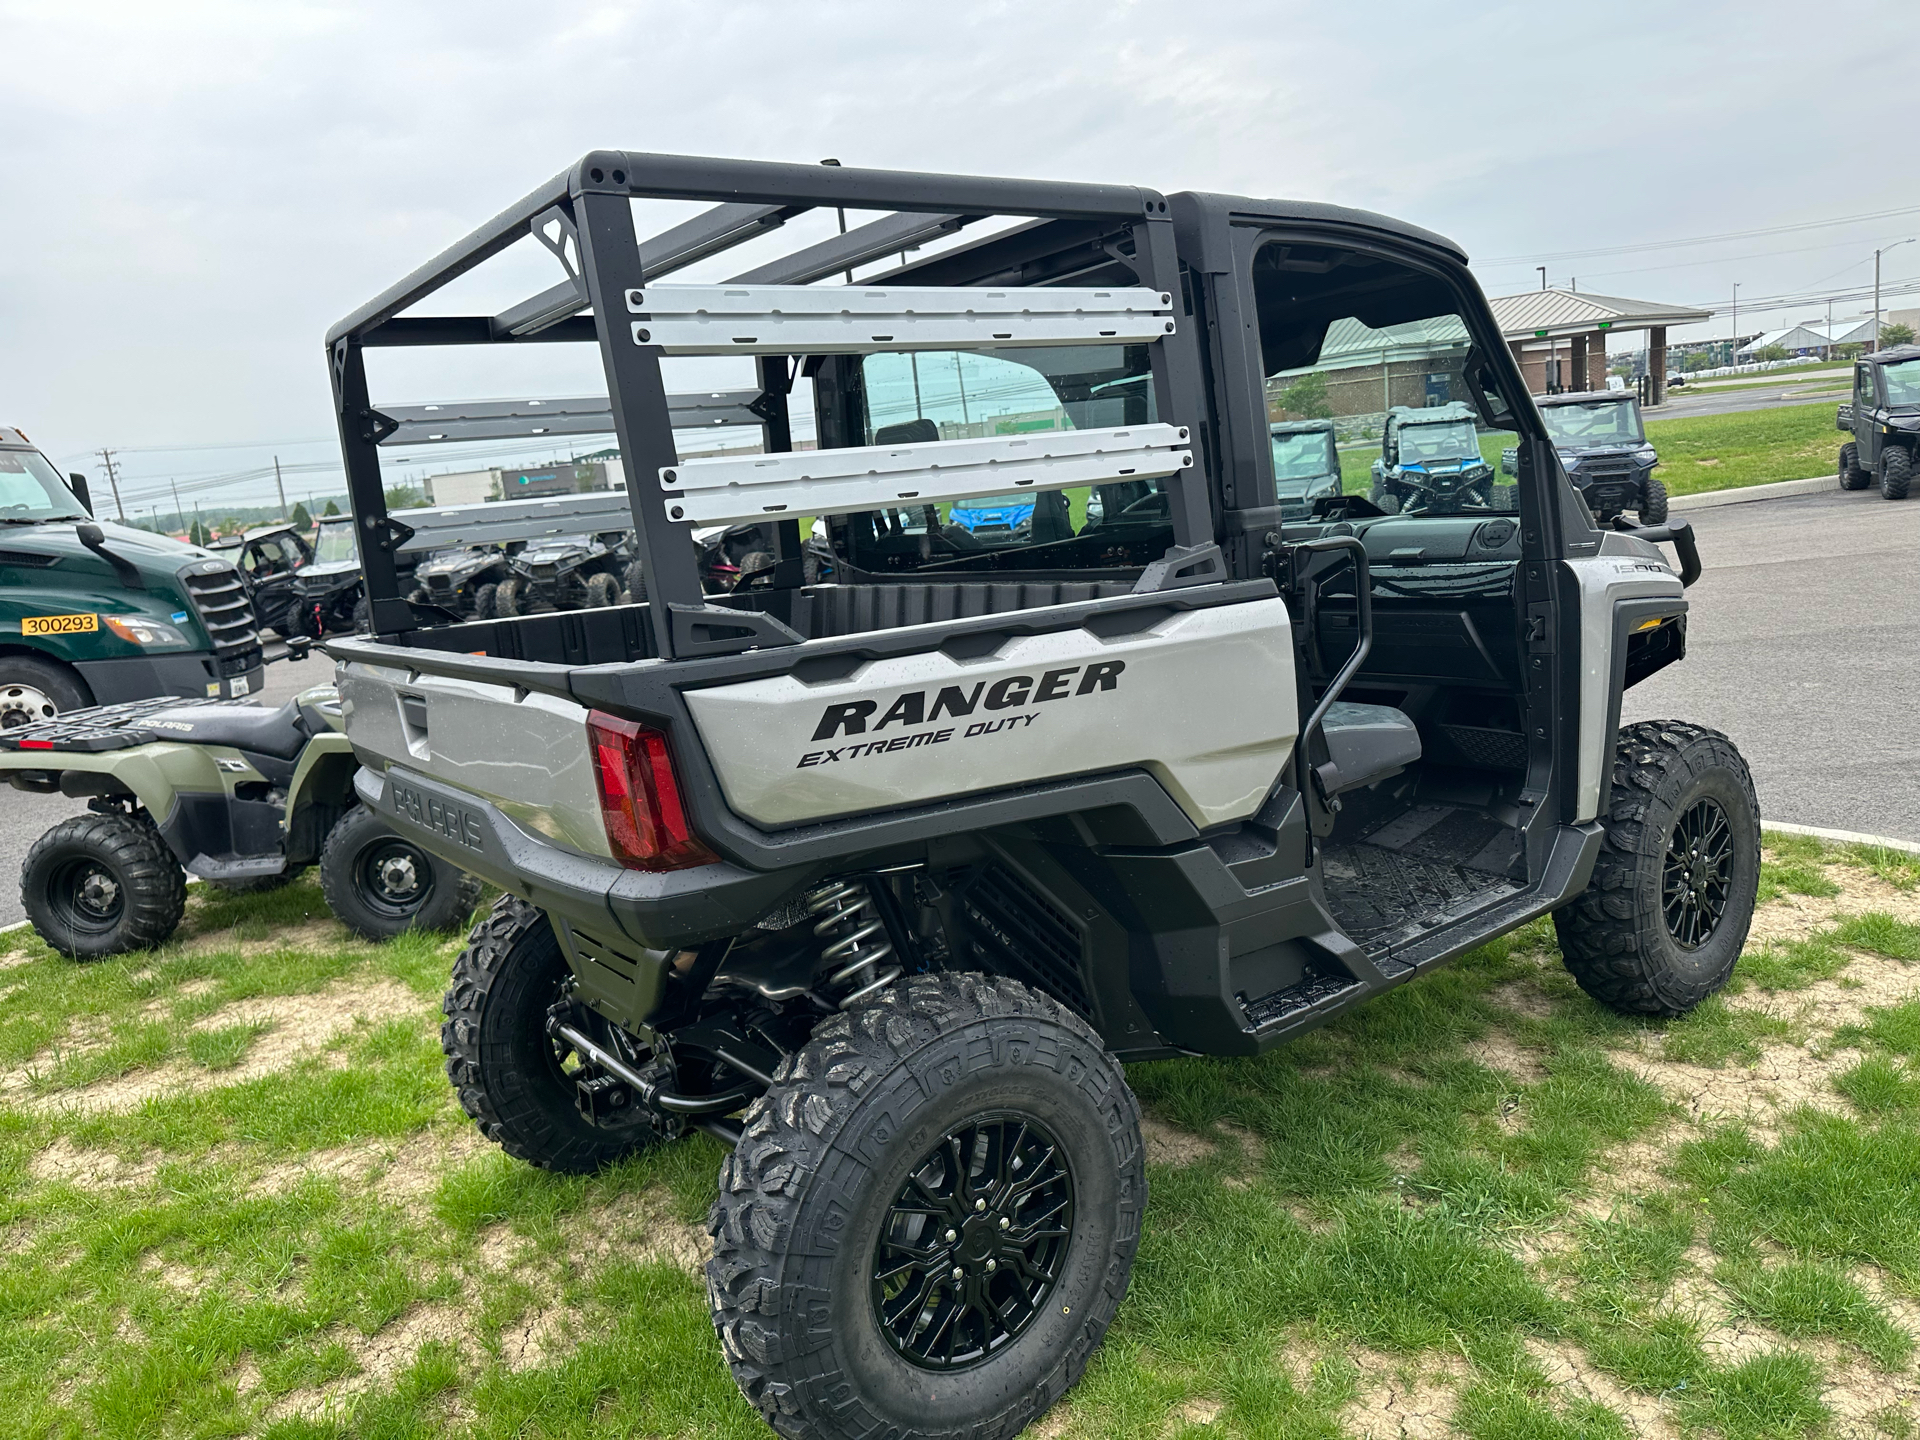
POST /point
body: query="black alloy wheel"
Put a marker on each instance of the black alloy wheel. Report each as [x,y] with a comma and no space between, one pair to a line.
[1697,878]
[974,1243]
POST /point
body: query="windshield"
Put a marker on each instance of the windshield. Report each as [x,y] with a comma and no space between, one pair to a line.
[1604,422]
[1301,456]
[1903,382]
[1424,444]
[31,489]
[334,544]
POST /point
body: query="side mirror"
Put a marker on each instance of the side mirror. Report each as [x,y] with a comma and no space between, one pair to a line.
[1510,461]
[78,483]
[90,534]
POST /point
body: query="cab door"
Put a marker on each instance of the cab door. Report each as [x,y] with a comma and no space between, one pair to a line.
[1866,423]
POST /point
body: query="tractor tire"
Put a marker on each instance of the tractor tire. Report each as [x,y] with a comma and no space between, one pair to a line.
[380,885]
[636,583]
[1661,923]
[33,690]
[99,885]
[1852,477]
[512,1078]
[931,1218]
[1896,472]
[509,599]
[602,591]
[1653,502]
[484,601]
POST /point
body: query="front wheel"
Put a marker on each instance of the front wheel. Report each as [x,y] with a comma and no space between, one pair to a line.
[1896,472]
[511,598]
[1653,502]
[33,690]
[636,583]
[602,591]
[1663,919]
[1852,477]
[931,1218]
[100,885]
[520,1085]
[1387,501]
[380,885]
[484,601]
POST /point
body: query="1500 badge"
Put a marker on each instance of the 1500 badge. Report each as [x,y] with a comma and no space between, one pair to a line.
[456,822]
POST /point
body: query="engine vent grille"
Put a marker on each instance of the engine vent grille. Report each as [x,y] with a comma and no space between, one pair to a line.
[1017,931]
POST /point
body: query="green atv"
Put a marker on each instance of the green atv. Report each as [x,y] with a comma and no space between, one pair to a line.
[239,795]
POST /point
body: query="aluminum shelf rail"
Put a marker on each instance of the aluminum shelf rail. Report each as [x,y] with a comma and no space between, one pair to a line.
[448,527]
[856,319]
[528,419]
[873,477]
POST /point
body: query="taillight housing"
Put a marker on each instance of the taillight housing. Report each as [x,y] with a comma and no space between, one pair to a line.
[646,824]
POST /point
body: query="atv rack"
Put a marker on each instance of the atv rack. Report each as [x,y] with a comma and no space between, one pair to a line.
[529,419]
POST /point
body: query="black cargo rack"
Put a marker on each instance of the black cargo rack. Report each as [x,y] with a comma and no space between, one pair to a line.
[103,727]
[1073,235]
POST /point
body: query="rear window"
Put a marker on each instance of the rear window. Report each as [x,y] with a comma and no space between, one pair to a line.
[956,395]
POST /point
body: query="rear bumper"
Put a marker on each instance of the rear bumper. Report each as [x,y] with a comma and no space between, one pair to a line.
[669,910]
[141,677]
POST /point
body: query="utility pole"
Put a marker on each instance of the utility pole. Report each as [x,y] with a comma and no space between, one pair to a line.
[278,485]
[1829,344]
[1543,275]
[113,479]
[1733,346]
[1876,285]
[179,510]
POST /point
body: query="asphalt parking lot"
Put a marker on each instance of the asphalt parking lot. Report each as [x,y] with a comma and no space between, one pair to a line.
[1803,644]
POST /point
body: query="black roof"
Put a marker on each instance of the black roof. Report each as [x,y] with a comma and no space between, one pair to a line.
[1893,355]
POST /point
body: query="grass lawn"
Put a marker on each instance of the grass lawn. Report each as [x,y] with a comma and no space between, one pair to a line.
[240,1200]
[1754,447]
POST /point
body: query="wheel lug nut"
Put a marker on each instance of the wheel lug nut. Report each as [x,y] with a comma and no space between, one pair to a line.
[992,1265]
[958,1272]
[980,1204]
[951,1236]
[1005,1222]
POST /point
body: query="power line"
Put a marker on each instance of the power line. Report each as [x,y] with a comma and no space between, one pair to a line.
[1702,239]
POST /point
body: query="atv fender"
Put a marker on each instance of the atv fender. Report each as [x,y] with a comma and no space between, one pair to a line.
[319,793]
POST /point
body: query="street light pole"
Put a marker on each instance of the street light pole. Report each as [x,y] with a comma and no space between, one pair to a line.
[1733,346]
[1876,284]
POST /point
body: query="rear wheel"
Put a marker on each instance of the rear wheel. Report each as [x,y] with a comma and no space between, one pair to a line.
[484,601]
[1852,477]
[1896,472]
[1666,913]
[363,616]
[34,690]
[101,885]
[931,1218]
[1653,502]
[379,884]
[636,583]
[519,1084]
[511,597]
[602,591]
[757,561]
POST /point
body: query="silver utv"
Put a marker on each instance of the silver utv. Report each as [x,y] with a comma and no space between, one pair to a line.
[883,880]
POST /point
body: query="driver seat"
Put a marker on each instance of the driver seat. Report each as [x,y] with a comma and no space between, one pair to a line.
[281,733]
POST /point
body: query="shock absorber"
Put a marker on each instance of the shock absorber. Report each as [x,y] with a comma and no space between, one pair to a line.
[854,938]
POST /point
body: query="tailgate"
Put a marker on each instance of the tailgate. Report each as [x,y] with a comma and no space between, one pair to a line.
[525,752]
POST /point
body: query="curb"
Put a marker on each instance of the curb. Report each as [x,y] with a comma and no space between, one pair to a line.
[1744,494]
[1846,837]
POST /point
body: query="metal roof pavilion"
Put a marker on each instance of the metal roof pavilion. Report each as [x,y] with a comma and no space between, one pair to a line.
[1544,314]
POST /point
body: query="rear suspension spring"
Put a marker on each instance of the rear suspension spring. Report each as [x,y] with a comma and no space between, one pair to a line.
[855,939]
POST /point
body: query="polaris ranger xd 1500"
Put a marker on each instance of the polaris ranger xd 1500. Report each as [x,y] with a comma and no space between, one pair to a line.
[883,880]
[97,613]
[1603,448]
[1884,419]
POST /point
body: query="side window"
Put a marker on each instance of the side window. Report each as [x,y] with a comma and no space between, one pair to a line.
[1863,384]
[969,394]
[1368,391]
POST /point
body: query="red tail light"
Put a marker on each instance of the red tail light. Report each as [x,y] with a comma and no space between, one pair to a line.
[639,797]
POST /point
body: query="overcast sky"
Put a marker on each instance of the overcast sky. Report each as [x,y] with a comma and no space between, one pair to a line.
[195,191]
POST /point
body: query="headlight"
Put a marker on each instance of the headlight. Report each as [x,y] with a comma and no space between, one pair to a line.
[1647,455]
[137,631]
